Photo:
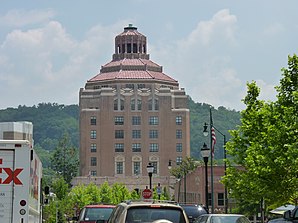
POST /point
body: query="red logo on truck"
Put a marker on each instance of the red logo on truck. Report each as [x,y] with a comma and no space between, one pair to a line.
[12,175]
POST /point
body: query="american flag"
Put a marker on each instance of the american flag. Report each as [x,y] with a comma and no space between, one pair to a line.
[213,141]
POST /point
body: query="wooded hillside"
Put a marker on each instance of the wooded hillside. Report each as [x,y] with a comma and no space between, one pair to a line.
[51,121]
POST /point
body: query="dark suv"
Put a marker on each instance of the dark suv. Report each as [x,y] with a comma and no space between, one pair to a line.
[147,211]
[193,211]
[95,212]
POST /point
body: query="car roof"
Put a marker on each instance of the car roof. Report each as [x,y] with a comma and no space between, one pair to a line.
[100,206]
[153,203]
[222,215]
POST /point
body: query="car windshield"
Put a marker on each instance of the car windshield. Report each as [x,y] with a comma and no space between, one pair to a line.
[228,219]
[97,214]
[150,214]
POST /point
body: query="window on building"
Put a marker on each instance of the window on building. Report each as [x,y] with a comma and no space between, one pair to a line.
[119,167]
[150,105]
[153,120]
[178,120]
[179,160]
[136,134]
[93,148]
[156,105]
[153,134]
[139,101]
[136,147]
[115,104]
[92,120]
[119,147]
[153,105]
[132,86]
[220,199]
[93,173]
[133,104]
[93,134]
[93,161]
[178,134]
[141,86]
[135,48]
[179,147]
[119,120]
[119,134]
[136,167]
[136,120]
[128,48]
[154,164]
[153,147]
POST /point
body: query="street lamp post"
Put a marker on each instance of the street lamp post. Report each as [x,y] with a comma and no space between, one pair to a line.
[150,169]
[205,132]
[205,152]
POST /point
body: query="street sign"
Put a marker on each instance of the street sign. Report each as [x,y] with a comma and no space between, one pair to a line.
[158,190]
[147,194]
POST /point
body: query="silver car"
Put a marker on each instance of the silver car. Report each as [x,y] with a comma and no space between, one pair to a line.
[222,218]
[148,212]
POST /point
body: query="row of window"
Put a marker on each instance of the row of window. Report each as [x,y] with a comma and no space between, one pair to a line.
[136,166]
[135,147]
[136,104]
[136,134]
[220,199]
[136,120]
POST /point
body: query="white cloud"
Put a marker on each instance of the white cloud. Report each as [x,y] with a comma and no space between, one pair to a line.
[267,91]
[51,64]
[19,18]
[222,25]
[206,73]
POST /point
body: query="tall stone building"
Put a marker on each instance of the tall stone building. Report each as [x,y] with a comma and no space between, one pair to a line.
[132,114]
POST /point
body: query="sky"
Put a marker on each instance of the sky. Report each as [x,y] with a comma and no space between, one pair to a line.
[49,49]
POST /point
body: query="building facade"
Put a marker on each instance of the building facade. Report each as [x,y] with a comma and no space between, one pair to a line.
[132,114]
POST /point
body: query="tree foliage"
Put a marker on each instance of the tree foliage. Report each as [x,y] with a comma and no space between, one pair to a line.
[265,146]
[182,169]
[64,160]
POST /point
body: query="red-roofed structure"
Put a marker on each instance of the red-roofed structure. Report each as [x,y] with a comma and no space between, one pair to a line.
[131,113]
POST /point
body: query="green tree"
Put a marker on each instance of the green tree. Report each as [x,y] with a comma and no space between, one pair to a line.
[105,193]
[187,165]
[119,193]
[264,146]
[65,160]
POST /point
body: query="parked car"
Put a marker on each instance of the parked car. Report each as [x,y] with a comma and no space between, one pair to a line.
[291,216]
[147,212]
[92,213]
[279,220]
[193,211]
[222,218]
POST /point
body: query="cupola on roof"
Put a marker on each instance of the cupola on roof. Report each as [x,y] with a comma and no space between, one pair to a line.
[130,60]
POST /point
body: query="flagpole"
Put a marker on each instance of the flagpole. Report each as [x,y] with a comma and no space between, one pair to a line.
[211,162]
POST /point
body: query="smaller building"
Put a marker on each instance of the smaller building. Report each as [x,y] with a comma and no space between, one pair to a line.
[195,188]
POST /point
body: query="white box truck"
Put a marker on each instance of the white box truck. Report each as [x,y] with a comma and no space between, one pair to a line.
[20,182]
